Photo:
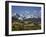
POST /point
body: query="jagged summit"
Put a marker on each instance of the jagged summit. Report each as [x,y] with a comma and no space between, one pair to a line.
[22,17]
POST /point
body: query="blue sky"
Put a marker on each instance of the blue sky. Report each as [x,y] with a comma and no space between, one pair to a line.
[26,10]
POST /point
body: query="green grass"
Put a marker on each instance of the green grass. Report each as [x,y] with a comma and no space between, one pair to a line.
[25,25]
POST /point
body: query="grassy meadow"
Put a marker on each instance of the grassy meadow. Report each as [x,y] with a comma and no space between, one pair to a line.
[19,25]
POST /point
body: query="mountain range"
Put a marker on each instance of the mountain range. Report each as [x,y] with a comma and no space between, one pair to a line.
[17,17]
[22,17]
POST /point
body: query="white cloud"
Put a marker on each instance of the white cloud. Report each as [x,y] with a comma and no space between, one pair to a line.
[27,12]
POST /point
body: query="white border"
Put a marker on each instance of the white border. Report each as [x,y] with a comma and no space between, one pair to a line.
[29,31]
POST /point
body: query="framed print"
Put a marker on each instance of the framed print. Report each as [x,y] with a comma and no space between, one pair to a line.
[24,18]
